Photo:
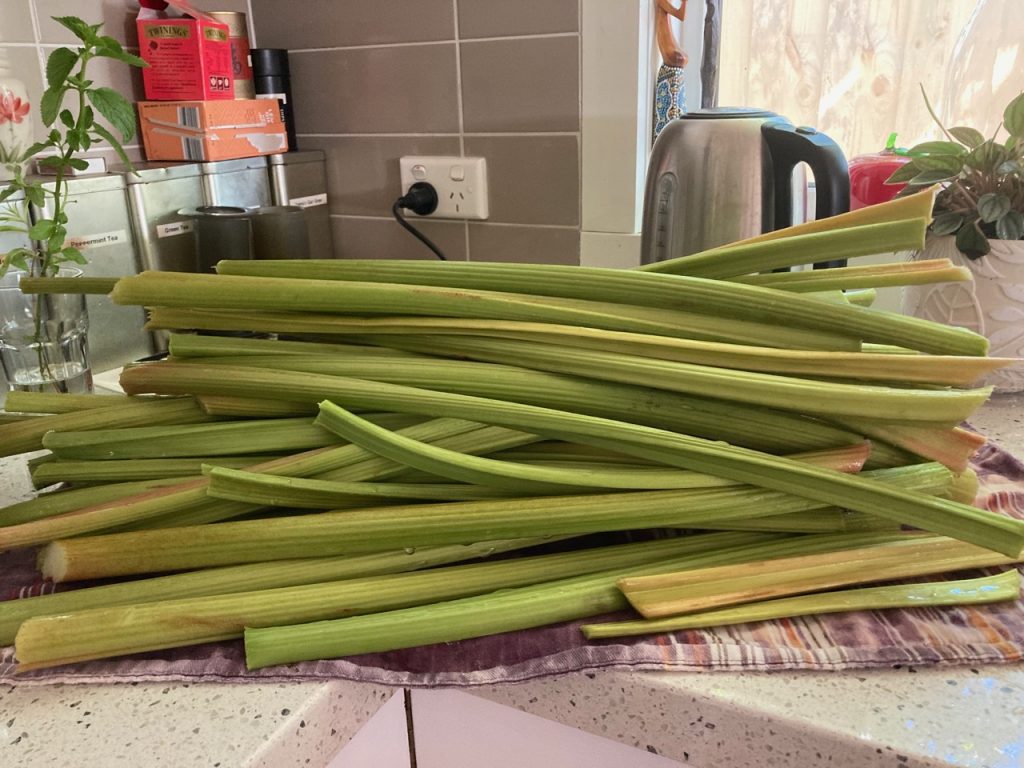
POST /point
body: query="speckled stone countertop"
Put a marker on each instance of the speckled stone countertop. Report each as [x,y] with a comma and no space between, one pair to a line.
[904,718]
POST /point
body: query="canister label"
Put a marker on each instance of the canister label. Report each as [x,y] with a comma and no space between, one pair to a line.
[310,201]
[99,240]
[174,228]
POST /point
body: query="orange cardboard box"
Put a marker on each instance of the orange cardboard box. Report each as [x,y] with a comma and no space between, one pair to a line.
[212,130]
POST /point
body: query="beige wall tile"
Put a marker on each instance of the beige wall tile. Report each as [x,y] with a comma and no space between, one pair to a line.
[362,171]
[384,239]
[531,84]
[373,90]
[525,245]
[24,63]
[331,23]
[17,22]
[494,18]
[532,179]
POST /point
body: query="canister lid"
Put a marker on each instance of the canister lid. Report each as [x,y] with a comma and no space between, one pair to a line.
[727,113]
[231,166]
[83,185]
[147,173]
[300,156]
[269,62]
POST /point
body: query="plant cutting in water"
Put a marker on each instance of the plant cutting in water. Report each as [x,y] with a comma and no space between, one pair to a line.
[982,178]
[53,321]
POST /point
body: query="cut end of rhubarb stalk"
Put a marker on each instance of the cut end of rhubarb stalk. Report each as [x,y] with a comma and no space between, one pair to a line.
[52,563]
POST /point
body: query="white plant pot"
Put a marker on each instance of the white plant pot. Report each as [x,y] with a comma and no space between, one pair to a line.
[992,305]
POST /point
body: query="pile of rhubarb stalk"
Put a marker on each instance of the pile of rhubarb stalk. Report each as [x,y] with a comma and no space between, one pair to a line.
[341,457]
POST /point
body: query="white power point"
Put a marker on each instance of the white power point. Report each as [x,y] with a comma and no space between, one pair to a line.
[461,184]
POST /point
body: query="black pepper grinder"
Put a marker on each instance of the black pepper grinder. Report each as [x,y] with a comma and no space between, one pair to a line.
[273,81]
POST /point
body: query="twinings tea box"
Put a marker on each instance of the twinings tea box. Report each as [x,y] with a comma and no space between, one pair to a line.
[188,52]
[212,130]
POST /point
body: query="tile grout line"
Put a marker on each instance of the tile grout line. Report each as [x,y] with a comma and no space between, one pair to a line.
[417,43]
[486,223]
[460,113]
[579,126]
[37,33]
[468,134]
[250,23]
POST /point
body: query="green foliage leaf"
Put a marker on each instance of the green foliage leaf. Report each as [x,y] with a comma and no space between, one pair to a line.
[932,177]
[904,173]
[73,254]
[78,164]
[106,136]
[35,149]
[49,106]
[1010,226]
[7,192]
[110,48]
[970,137]
[67,118]
[948,163]
[947,223]
[987,156]
[117,110]
[936,148]
[42,229]
[52,161]
[993,206]
[81,30]
[1013,116]
[1010,167]
[59,65]
[36,195]
[971,242]
[87,118]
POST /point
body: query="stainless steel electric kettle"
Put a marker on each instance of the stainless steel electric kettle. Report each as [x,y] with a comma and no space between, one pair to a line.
[720,175]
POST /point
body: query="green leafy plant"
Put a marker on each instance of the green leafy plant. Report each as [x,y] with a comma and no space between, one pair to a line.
[982,180]
[74,129]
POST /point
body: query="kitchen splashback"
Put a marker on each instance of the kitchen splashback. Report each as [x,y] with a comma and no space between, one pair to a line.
[375,81]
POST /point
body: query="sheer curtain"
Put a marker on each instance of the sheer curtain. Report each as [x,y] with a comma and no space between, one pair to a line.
[850,68]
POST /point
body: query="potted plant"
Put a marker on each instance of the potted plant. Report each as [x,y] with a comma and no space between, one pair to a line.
[978,222]
[43,337]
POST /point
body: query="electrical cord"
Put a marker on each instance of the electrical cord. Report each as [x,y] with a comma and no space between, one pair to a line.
[422,199]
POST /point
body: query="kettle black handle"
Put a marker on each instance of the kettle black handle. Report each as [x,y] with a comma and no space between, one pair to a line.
[789,145]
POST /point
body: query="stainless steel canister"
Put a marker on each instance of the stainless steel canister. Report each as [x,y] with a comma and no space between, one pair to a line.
[300,179]
[238,36]
[156,194]
[241,183]
[100,226]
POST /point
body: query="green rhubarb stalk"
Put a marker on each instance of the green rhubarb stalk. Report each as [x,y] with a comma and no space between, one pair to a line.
[241,578]
[271,294]
[743,258]
[78,285]
[302,493]
[53,402]
[954,519]
[56,503]
[254,407]
[725,300]
[898,273]
[935,369]
[500,611]
[690,591]
[192,345]
[815,397]
[952,447]
[174,442]
[749,426]
[985,589]
[23,436]
[99,633]
[132,470]
[815,521]
[382,528]
[180,501]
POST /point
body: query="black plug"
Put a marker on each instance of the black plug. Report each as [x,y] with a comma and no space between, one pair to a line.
[420,199]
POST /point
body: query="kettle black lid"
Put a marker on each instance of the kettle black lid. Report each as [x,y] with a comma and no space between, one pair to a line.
[727,113]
